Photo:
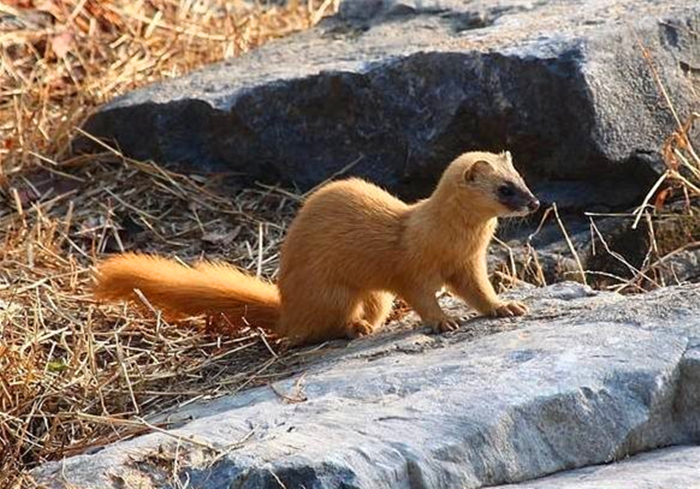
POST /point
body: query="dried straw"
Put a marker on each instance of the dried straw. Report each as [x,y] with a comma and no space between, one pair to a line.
[74,374]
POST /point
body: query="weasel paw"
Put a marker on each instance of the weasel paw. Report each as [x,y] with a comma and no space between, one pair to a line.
[360,328]
[509,309]
[445,325]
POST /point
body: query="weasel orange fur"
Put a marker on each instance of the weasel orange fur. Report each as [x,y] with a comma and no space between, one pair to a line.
[349,251]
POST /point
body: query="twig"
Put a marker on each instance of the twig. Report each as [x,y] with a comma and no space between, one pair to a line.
[582,272]
[342,171]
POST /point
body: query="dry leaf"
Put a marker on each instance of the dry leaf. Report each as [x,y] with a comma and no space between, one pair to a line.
[62,44]
[661,198]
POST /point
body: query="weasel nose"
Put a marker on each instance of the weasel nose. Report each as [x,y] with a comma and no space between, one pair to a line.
[533,205]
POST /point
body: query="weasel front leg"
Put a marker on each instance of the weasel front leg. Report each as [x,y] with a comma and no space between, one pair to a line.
[424,302]
[472,284]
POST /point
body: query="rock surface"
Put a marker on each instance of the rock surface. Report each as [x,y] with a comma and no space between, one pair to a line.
[588,378]
[394,89]
[668,468]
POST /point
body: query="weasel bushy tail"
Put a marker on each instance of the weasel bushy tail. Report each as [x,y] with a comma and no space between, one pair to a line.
[207,288]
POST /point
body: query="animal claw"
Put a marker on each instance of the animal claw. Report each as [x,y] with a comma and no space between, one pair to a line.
[360,328]
[510,309]
[445,325]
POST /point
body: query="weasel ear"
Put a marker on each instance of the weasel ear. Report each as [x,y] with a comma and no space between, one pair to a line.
[479,167]
[508,157]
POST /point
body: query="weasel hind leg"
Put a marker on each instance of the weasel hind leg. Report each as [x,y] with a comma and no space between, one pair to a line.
[372,313]
[323,314]
[376,307]
[333,313]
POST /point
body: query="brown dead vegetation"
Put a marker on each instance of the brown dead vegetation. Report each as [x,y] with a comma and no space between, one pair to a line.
[74,375]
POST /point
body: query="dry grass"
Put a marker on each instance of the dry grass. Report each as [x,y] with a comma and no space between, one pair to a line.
[72,374]
[680,182]
[61,58]
[668,217]
[668,213]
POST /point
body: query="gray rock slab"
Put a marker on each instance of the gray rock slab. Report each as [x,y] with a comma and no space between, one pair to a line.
[587,378]
[670,468]
[392,90]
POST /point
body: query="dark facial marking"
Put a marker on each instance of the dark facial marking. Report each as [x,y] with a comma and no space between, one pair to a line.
[515,198]
[507,191]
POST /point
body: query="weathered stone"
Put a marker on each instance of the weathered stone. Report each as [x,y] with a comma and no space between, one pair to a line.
[661,469]
[395,89]
[587,378]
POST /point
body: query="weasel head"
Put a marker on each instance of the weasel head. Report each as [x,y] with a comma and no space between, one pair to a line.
[488,184]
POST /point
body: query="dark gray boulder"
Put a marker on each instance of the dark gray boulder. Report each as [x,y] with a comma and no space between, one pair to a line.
[395,89]
[587,378]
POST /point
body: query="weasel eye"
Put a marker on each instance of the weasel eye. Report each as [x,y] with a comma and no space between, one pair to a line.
[506,191]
